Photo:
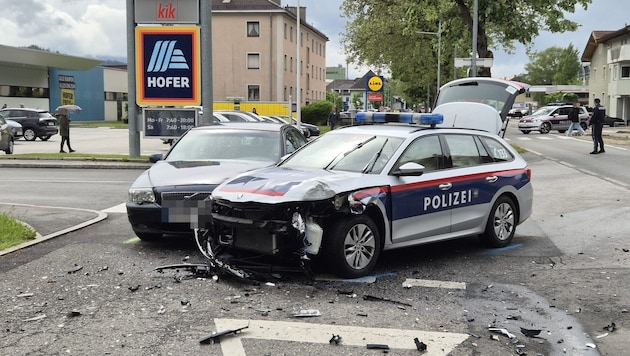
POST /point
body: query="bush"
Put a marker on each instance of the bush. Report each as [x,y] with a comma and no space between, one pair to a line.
[316,113]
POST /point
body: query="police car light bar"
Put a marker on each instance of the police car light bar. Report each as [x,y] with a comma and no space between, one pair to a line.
[405,117]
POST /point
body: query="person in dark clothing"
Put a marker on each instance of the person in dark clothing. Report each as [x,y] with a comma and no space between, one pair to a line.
[574,116]
[333,118]
[64,130]
[597,121]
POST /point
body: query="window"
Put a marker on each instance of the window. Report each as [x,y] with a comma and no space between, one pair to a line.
[425,151]
[463,149]
[497,150]
[285,62]
[253,29]
[253,92]
[625,72]
[253,60]
[285,31]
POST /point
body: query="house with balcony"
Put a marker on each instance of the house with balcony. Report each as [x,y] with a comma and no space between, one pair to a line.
[609,55]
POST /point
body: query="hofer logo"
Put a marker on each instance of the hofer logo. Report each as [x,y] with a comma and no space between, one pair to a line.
[165,56]
[167,65]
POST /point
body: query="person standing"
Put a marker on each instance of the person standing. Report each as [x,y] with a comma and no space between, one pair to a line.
[597,121]
[64,130]
[333,118]
[574,116]
[254,111]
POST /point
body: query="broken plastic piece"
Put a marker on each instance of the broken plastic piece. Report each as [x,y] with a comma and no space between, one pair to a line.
[601,336]
[530,332]
[307,313]
[591,345]
[380,299]
[76,269]
[377,347]
[134,288]
[74,313]
[421,346]
[503,331]
[336,339]
[24,295]
[215,336]
[35,318]
[611,327]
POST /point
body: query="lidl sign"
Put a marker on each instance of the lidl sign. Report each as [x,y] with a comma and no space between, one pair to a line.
[375,83]
[168,65]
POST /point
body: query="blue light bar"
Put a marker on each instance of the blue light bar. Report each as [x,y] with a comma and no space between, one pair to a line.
[405,118]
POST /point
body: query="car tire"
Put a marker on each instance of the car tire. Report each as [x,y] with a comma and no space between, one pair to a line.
[545,128]
[352,246]
[148,236]
[10,147]
[29,134]
[45,137]
[525,132]
[501,223]
[307,133]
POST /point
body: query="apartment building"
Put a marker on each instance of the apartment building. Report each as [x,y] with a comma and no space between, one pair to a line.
[255,52]
[609,55]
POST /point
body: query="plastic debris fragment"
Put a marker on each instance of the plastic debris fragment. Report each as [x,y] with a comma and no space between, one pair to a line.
[76,269]
[335,339]
[74,313]
[35,318]
[591,345]
[601,336]
[381,299]
[215,336]
[134,288]
[530,332]
[307,313]
[503,331]
[377,347]
[421,346]
[24,295]
[610,327]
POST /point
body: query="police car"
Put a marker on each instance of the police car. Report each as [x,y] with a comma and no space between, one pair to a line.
[357,191]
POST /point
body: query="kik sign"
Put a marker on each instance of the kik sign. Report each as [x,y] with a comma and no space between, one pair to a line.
[168,66]
[167,11]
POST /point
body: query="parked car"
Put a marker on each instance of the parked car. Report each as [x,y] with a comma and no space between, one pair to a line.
[551,117]
[614,121]
[163,199]
[309,129]
[35,122]
[16,127]
[356,191]
[6,137]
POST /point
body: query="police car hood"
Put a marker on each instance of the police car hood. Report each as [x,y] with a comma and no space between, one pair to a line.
[178,173]
[281,184]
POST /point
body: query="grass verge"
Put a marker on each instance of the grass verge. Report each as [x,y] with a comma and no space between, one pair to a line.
[13,232]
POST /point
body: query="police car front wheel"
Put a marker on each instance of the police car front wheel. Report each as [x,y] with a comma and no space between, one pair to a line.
[353,246]
[501,223]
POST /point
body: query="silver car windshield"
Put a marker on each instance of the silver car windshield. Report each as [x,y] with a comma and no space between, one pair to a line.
[226,144]
[347,152]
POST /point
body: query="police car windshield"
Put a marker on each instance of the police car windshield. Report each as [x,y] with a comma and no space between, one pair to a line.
[350,152]
[545,110]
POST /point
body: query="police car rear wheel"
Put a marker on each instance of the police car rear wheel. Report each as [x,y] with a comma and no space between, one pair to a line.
[501,223]
[353,247]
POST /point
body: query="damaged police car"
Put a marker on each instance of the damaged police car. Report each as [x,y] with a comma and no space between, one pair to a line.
[360,190]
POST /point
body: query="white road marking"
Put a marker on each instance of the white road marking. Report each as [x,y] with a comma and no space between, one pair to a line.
[412,282]
[438,343]
[117,209]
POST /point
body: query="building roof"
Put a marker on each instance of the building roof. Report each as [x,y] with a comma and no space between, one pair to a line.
[599,37]
[266,6]
[26,57]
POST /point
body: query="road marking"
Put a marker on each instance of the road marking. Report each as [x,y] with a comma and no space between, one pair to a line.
[120,209]
[412,282]
[439,343]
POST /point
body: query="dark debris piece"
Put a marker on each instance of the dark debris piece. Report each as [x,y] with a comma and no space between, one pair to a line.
[611,327]
[134,288]
[530,332]
[377,347]
[74,313]
[76,269]
[216,336]
[335,339]
[381,299]
[421,346]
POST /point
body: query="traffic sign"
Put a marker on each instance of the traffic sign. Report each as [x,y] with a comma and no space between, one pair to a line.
[168,65]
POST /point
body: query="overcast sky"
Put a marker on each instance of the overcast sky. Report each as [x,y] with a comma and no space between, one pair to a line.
[97,28]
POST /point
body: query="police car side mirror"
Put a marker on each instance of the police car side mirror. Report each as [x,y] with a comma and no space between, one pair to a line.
[409,169]
[156,157]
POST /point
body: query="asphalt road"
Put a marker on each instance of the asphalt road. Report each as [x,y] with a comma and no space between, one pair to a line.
[95,291]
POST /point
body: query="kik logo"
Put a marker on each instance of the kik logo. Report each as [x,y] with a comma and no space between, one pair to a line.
[165,56]
[166,11]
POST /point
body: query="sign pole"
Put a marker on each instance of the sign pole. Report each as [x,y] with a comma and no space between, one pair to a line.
[206,62]
[132,112]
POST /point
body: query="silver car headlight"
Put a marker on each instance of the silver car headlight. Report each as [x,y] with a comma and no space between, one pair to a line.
[141,195]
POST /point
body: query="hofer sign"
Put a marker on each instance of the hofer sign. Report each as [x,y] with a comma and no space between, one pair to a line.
[168,65]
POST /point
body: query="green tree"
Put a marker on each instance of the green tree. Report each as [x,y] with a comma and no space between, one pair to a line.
[335,99]
[554,66]
[357,101]
[385,33]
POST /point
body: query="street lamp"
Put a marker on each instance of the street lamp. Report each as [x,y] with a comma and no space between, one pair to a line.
[439,36]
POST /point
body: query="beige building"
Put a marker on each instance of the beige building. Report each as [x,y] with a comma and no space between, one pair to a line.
[255,53]
[609,55]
